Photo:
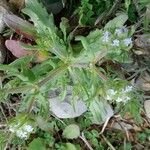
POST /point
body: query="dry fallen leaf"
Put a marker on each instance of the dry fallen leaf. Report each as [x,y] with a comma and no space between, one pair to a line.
[142,44]
[18,51]
[66,108]
[147,108]
[121,126]
[17,4]
[143,82]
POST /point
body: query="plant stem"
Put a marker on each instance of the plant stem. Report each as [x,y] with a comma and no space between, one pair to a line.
[82,137]
[52,74]
[101,75]
[22,89]
[30,106]
[110,145]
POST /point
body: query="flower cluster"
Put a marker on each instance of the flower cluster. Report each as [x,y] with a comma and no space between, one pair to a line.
[21,131]
[119,96]
[119,37]
[106,36]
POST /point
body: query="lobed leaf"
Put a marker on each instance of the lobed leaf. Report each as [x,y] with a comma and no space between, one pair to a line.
[38,14]
[117,22]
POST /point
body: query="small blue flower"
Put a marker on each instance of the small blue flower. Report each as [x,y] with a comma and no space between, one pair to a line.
[127,41]
[106,36]
[118,31]
[115,42]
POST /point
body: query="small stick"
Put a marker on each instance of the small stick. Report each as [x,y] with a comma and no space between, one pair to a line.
[105,125]
[82,137]
[3,113]
[110,145]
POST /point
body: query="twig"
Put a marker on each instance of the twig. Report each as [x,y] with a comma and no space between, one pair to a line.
[105,125]
[3,126]
[59,119]
[3,113]
[110,145]
[126,131]
[82,137]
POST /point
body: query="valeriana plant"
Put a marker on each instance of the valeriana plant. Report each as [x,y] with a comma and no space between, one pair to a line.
[66,64]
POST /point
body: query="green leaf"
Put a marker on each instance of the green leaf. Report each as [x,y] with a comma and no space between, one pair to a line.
[54,6]
[100,110]
[8,68]
[71,132]
[117,22]
[29,74]
[70,146]
[38,14]
[21,61]
[64,26]
[132,13]
[37,144]
[85,13]
[3,139]
[42,124]
[47,31]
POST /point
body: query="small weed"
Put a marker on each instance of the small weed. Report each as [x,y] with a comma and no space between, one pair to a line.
[66,84]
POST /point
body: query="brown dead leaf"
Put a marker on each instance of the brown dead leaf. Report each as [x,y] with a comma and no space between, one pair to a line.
[137,128]
[122,125]
[16,49]
[147,108]
[142,44]
[17,4]
[143,82]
